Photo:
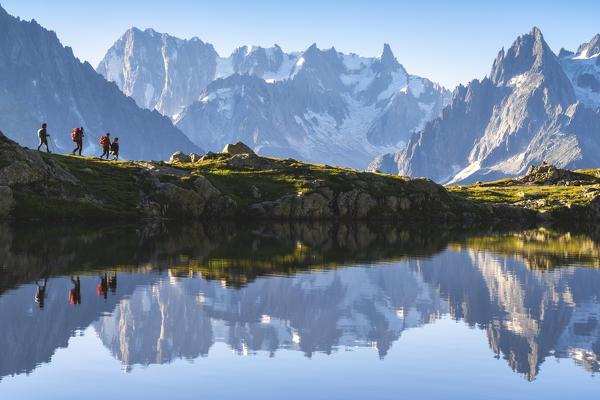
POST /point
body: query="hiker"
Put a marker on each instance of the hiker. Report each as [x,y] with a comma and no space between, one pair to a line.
[105,143]
[43,135]
[40,293]
[114,149]
[75,292]
[103,286]
[544,164]
[112,283]
[77,137]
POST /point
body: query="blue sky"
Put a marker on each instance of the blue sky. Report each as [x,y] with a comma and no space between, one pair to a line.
[447,41]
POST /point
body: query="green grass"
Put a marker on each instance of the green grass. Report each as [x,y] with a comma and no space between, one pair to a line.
[514,194]
[539,248]
[105,189]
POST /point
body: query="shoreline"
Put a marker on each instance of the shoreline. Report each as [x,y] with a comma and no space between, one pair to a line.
[247,187]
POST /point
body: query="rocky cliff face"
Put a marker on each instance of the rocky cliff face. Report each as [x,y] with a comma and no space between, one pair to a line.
[525,112]
[318,105]
[159,71]
[42,81]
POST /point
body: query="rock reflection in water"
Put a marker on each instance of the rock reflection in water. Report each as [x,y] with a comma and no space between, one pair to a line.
[180,292]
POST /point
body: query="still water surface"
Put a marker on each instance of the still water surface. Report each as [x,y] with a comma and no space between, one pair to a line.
[298,311]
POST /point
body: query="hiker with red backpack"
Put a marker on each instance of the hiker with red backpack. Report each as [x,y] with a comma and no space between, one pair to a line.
[77,137]
[105,143]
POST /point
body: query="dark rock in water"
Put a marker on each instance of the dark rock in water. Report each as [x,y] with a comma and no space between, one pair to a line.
[238,148]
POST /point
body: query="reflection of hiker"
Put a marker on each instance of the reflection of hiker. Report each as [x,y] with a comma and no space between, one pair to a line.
[112,283]
[103,286]
[75,292]
[43,135]
[77,137]
[40,293]
[105,143]
[114,149]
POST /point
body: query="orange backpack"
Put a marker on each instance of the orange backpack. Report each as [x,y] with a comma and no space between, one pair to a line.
[104,141]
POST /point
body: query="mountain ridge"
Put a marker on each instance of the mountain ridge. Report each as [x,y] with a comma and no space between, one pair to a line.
[47,83]
[325,106]
[527,110]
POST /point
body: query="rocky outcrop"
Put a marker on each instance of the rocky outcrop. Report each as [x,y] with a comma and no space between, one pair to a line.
[180,157]
[7,201]
[221,186]
[238,148]
[20,166]
[550,175]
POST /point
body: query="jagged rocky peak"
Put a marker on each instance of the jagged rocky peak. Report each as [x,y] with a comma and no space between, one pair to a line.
[528,52]
[591,48]
[525,112]
[146,65]
[387,59]
[564,53]
[256,60]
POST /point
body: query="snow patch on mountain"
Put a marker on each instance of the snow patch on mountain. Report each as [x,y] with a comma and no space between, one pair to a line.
[584,72]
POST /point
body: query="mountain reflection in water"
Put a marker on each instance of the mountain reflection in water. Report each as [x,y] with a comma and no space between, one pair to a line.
[159,293]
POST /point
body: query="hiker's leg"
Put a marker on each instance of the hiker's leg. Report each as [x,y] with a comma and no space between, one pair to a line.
[41,143]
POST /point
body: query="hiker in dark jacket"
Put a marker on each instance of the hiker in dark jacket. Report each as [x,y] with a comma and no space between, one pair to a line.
[40,293]
[43,135]
[114,148]
[105,143]
[75,292]
[77,137]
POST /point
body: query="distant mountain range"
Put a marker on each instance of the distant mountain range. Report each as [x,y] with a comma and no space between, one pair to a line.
[42,81]
[317,105]
[534,106]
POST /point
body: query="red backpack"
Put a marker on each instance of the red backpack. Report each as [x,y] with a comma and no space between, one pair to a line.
[75,135]
[104,141]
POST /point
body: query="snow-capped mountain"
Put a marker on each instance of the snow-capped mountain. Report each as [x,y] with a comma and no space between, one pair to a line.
[42,81]
[583,69]
[159,71]
[534,106]
[317,105]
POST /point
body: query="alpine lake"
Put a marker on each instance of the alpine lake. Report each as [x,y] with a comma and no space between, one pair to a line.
[299,311]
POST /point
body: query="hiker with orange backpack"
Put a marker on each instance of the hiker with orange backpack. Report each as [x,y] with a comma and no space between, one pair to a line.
[105,143]
[77,137]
